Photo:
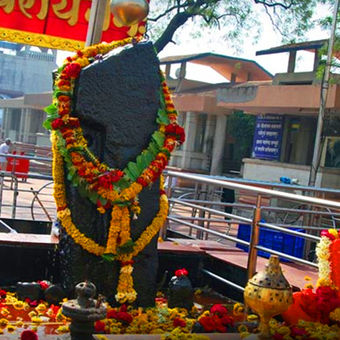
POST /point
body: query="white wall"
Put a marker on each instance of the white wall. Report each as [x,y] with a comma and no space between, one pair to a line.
[261,170]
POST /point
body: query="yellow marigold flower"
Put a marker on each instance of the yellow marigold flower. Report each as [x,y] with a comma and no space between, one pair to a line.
[19,324]
[4,311]
[10,299]
[307,278]
[3,322]
[309,285]
[238,309]
[62,329]
[156,331]
[11,328]
[252,317]
[32,314]
[334,232]
[323,282]
[283,330]
[1,331]
[41,308]
[19,305]
[101,210]
[36,319]
[335,315]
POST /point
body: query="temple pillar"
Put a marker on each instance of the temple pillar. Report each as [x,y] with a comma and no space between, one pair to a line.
[218,146]
[209,139]
[190,133]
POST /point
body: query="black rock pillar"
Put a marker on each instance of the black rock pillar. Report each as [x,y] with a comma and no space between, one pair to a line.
[116,100]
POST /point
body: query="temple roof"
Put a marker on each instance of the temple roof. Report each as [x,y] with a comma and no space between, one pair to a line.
[306,46]
[224,65]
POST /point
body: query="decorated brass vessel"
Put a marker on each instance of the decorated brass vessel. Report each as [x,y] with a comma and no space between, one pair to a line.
[129,12]
[268,293]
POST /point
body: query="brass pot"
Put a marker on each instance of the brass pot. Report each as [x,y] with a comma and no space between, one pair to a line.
[268,293]
[129,12]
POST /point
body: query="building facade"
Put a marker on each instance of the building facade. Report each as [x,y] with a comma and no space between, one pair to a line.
[293,97]
[24,70]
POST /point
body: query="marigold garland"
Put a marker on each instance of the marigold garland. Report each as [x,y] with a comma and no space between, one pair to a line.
[125,290]
[106,187]
[102,184]
[327,251]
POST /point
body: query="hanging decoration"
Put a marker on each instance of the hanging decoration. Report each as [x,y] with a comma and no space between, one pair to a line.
[58,24]
[129,12]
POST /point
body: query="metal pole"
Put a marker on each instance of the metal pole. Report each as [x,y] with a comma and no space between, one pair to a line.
[2,180]
[166,225]
[15,195]
[96,22]
[193,210]
[254,240]
[323,99]
[41,204]
[201,214]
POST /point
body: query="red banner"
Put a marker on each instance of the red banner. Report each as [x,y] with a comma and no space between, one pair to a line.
[60,24]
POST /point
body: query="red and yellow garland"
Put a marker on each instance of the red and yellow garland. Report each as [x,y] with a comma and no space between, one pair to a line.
[323,304]
[104,186]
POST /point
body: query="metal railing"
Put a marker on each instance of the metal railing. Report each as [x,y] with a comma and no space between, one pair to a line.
[208,210]
[205,209]
[15,193]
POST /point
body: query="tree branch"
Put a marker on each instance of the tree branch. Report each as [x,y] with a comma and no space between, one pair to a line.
[170,9]
[177,21]
[274,4]
[273,22]
[193,8]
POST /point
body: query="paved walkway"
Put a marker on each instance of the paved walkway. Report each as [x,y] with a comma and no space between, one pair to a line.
[24,200]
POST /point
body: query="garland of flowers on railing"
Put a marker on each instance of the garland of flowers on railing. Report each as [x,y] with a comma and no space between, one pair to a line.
[104,186]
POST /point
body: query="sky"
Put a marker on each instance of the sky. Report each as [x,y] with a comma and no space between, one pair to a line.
[210,41]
